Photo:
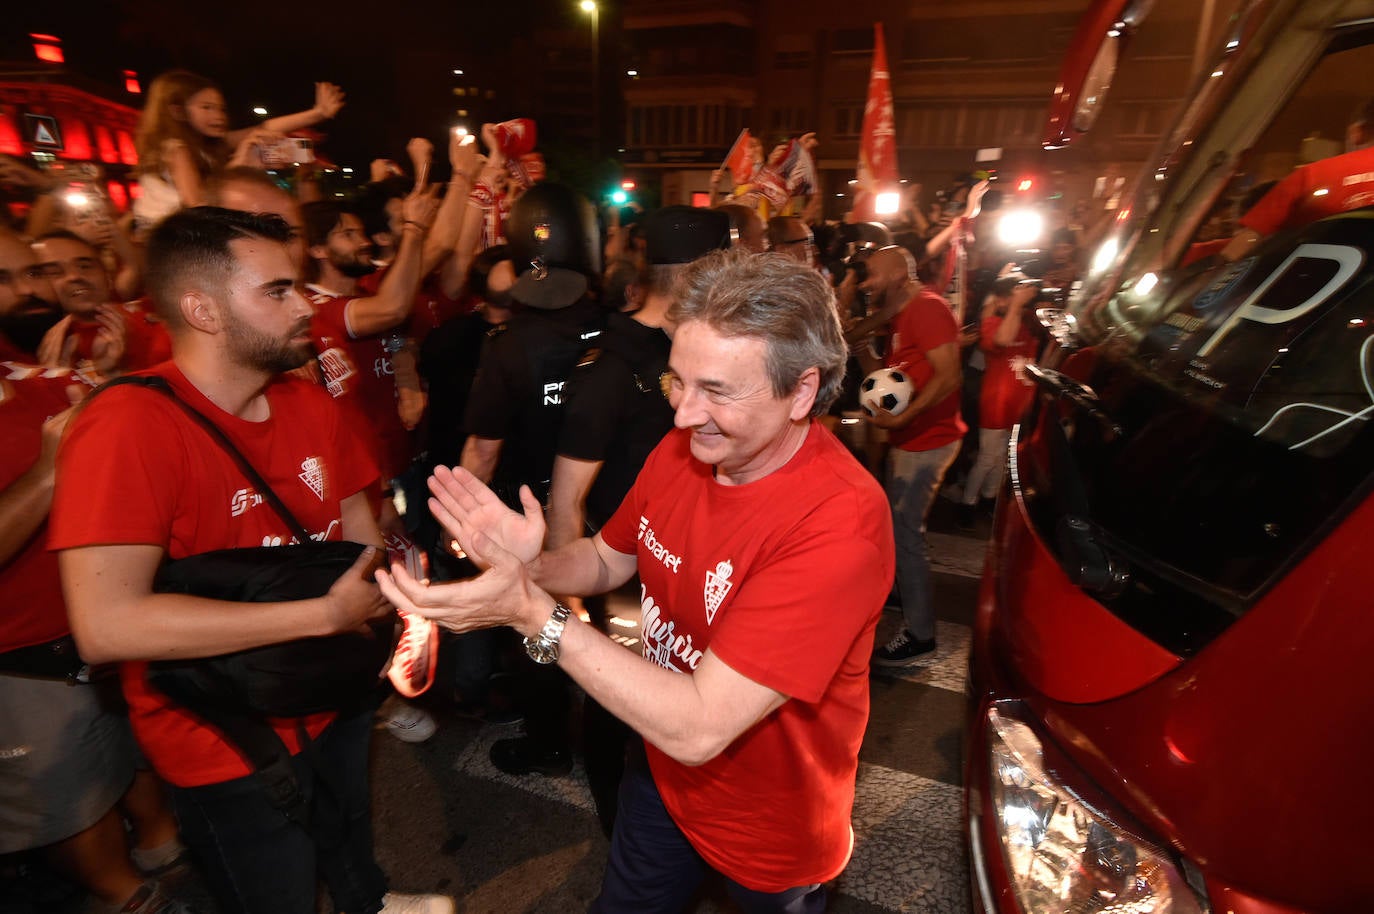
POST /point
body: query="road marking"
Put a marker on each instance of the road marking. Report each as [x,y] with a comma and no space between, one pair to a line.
[908,849]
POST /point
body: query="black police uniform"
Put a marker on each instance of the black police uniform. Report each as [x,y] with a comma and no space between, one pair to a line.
[617,409]
[517,396]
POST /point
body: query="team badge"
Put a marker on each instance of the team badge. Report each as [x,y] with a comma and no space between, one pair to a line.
[312,474]
[718,584]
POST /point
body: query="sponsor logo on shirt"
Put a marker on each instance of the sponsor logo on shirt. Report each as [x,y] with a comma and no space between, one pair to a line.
[663,644]
[718,584]
[337,369]
[312,474]
[657,549]
[318,537]
[553,393]
[242,500]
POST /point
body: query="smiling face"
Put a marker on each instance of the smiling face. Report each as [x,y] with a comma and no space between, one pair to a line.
[78,277]
[205,113]
[721,391]
[266,320]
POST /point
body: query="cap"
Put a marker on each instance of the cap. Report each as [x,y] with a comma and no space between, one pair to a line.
[552,237]
[681,234]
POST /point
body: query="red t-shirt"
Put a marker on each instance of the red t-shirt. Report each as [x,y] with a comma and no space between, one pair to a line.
[358,370]
[31,608]
[1004,396]
[924,324]
[784,579]
[135,469]
[1325,188]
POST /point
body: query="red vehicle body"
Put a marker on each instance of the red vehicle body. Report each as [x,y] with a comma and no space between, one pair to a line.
[1169,694]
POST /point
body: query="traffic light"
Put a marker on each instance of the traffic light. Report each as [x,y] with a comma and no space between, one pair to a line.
[621,195]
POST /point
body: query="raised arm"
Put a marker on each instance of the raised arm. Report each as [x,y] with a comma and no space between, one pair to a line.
[329,99]
[396,295]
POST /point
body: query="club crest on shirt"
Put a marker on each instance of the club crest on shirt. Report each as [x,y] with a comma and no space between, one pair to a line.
[718,584]
[312,474]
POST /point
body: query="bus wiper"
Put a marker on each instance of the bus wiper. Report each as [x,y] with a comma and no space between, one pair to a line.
[1082,554]
[1076,392]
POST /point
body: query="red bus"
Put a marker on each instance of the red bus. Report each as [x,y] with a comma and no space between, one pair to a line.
[1168,684]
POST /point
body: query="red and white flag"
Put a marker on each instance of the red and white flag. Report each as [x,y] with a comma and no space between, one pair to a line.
[738,161]
[878,142]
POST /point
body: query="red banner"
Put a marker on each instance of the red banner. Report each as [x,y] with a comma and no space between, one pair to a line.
[878,143]
[740,165]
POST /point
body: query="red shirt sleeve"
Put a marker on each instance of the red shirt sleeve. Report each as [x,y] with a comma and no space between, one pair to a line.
[1276,207]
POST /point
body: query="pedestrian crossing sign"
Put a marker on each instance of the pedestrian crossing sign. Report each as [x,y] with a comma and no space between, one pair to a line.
[43,132]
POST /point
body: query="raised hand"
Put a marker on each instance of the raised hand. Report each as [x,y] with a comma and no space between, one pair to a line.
[421,152]
[107,351]
[329,98]
[421,206]
[57,349]
[465,507]
[501,595]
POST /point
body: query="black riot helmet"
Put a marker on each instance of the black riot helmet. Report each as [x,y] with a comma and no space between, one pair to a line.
[553,243]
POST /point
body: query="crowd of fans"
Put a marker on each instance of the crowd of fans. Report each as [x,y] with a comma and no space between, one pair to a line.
[492,323]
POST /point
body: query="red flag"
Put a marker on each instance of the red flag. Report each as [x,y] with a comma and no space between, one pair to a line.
[737,160]
[878,144]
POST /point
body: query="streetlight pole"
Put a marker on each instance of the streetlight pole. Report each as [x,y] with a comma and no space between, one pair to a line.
[590,7]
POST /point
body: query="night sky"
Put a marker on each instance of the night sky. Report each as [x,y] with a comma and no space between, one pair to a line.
[394,60]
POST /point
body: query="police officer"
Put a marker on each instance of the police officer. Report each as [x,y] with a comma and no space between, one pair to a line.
[617,412]
[515,411]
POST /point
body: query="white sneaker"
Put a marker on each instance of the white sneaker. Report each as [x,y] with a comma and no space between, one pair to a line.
[397,903]
[406,722]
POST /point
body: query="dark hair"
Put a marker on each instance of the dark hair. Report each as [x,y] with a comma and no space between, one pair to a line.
[1064,236]
[786,304]
[191,246]
[481,268]
[321,218]
[616,282]
[65,235]
[371,203]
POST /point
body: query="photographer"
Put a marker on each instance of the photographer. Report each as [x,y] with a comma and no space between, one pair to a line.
[1007,344]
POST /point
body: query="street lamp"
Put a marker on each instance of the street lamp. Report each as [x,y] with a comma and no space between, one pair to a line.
[590,8]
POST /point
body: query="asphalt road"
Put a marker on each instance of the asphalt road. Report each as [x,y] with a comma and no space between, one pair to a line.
[447,821]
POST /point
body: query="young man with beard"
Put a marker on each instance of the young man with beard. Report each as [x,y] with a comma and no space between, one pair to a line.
[140,482]
[28,304]
[357,336]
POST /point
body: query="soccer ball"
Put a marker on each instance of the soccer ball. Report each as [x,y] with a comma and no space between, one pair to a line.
[886,388]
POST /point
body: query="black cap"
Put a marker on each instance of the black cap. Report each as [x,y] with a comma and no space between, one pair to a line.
[681,234]
[552,237]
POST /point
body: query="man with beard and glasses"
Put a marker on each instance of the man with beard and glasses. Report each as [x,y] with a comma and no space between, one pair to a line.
[138,482]
[28,305]
[114,337]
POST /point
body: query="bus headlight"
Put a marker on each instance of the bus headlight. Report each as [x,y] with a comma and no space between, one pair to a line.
[1061,854]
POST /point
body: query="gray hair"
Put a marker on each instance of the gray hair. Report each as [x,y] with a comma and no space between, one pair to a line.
[786,304]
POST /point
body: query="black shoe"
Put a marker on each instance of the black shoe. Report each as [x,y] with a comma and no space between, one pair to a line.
[903,650]
[967,518]
[522,756]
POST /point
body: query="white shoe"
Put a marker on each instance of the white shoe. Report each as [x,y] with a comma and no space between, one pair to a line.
[406,722]
[397,903]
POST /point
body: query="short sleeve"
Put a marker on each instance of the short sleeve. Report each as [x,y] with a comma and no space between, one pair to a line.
[594,409]
[112,473]
[496,391]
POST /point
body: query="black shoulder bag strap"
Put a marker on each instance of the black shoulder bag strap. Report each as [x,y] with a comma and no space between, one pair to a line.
[251,735]
[160,384]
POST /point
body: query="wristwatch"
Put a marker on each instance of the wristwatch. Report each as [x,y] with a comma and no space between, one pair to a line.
[543,648]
